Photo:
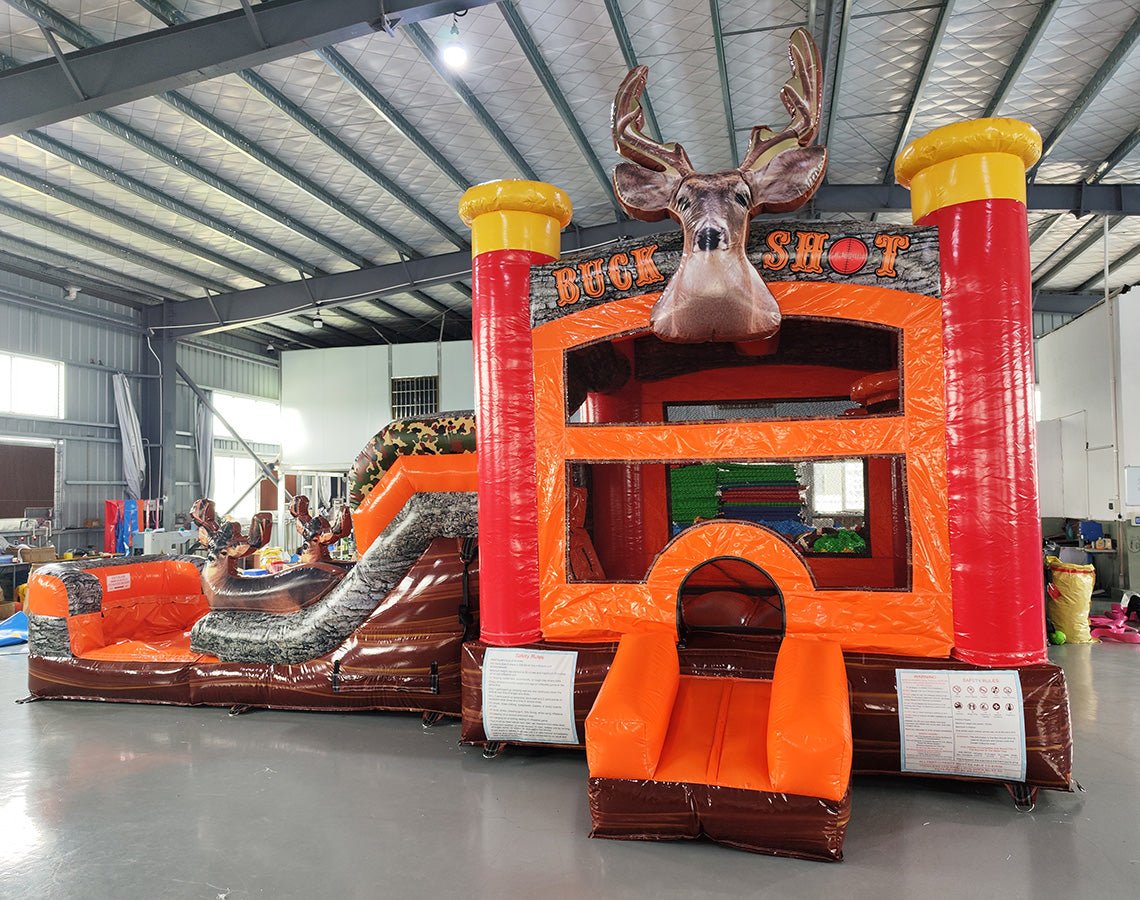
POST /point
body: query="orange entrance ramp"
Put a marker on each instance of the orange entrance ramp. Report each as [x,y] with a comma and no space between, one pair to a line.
[762,765]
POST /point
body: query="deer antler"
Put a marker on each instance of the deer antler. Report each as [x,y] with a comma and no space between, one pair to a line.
[224,539]
[342,527]
[802,95]
[204,515]
[628,120]
[260,530]
[307,527]
[299,509]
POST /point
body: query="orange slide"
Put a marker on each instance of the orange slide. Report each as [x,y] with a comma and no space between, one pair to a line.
[409,475]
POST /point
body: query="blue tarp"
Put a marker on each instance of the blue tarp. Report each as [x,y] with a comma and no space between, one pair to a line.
[14,630]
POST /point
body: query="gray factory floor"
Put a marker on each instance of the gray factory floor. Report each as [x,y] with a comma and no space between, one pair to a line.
[104,800]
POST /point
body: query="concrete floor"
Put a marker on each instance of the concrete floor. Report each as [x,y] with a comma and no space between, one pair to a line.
[103,800]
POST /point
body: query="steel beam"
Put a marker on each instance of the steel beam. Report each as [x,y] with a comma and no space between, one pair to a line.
[241,307]
[1024,52]
[1116,157]
[161,152]
[140,189]
[530,50]
[621,33]
[467,97]
[388,111]
[1115,266]
[1095,85]
[171,15]
[111,248]
[722,71]
[102,211]
[27,267]
[278,331]
[36,303]
[358,162]
[66,264]
[162,60]
[431,303]
[335,329]
[236,139]
[1085,238]
[924,73]
[836,77]
[204,398]
[81,37]
[184,164]
[1044,227]
[386,335]
[1082,198]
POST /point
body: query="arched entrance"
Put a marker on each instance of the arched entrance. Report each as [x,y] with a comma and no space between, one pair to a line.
[730,595]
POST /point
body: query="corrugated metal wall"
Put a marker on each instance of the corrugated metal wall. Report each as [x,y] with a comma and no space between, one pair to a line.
[1044,322]
[94,339]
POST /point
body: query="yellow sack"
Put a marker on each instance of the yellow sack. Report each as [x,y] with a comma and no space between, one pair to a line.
[1070,611]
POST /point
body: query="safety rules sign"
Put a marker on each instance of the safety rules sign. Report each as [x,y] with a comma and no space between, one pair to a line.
[955,722]
[528,695]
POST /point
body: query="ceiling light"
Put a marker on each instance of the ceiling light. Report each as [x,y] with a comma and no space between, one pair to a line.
[318,322]
[454,54]
[269,348]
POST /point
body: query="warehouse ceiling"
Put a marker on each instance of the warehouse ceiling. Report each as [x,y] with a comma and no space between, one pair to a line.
[330,176]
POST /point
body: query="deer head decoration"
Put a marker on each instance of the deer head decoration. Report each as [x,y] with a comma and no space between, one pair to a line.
[316,532]
[224,539]
[716,294]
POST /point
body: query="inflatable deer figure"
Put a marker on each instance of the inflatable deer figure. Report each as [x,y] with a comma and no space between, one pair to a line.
[284,592]
[716,294]
[316,532]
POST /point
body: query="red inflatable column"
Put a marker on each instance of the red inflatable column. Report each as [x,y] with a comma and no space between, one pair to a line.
[969,180]
[514,225]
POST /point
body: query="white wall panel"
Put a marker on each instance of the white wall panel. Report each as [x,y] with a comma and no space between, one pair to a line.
[457,380]
[335,400]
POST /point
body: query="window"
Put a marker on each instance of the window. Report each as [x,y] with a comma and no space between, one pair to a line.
[31,387]
[232,476]
[837,488]
[258,421]
[414,397]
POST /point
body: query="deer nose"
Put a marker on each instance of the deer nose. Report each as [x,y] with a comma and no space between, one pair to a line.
[708,238]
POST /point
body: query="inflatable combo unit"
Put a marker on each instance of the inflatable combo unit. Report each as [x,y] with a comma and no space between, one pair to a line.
[752,507]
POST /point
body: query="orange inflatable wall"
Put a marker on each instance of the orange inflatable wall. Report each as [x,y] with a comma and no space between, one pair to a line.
[916,621]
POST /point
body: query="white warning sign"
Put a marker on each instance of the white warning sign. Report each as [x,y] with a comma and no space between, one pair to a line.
[962,722]
[528,695]
[120,581]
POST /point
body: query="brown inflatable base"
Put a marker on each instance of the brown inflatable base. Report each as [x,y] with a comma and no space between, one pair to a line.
[874,700]
[776,824]
[308,686]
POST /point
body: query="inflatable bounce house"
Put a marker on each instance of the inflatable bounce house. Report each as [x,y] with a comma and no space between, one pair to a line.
[731,522]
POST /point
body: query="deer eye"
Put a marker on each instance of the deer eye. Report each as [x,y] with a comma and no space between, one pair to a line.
[683,203]
[744,200]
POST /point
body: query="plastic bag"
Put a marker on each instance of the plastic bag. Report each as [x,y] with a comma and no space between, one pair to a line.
[1069,611]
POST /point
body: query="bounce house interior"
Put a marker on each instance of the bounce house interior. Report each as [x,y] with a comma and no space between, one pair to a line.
[715,519]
